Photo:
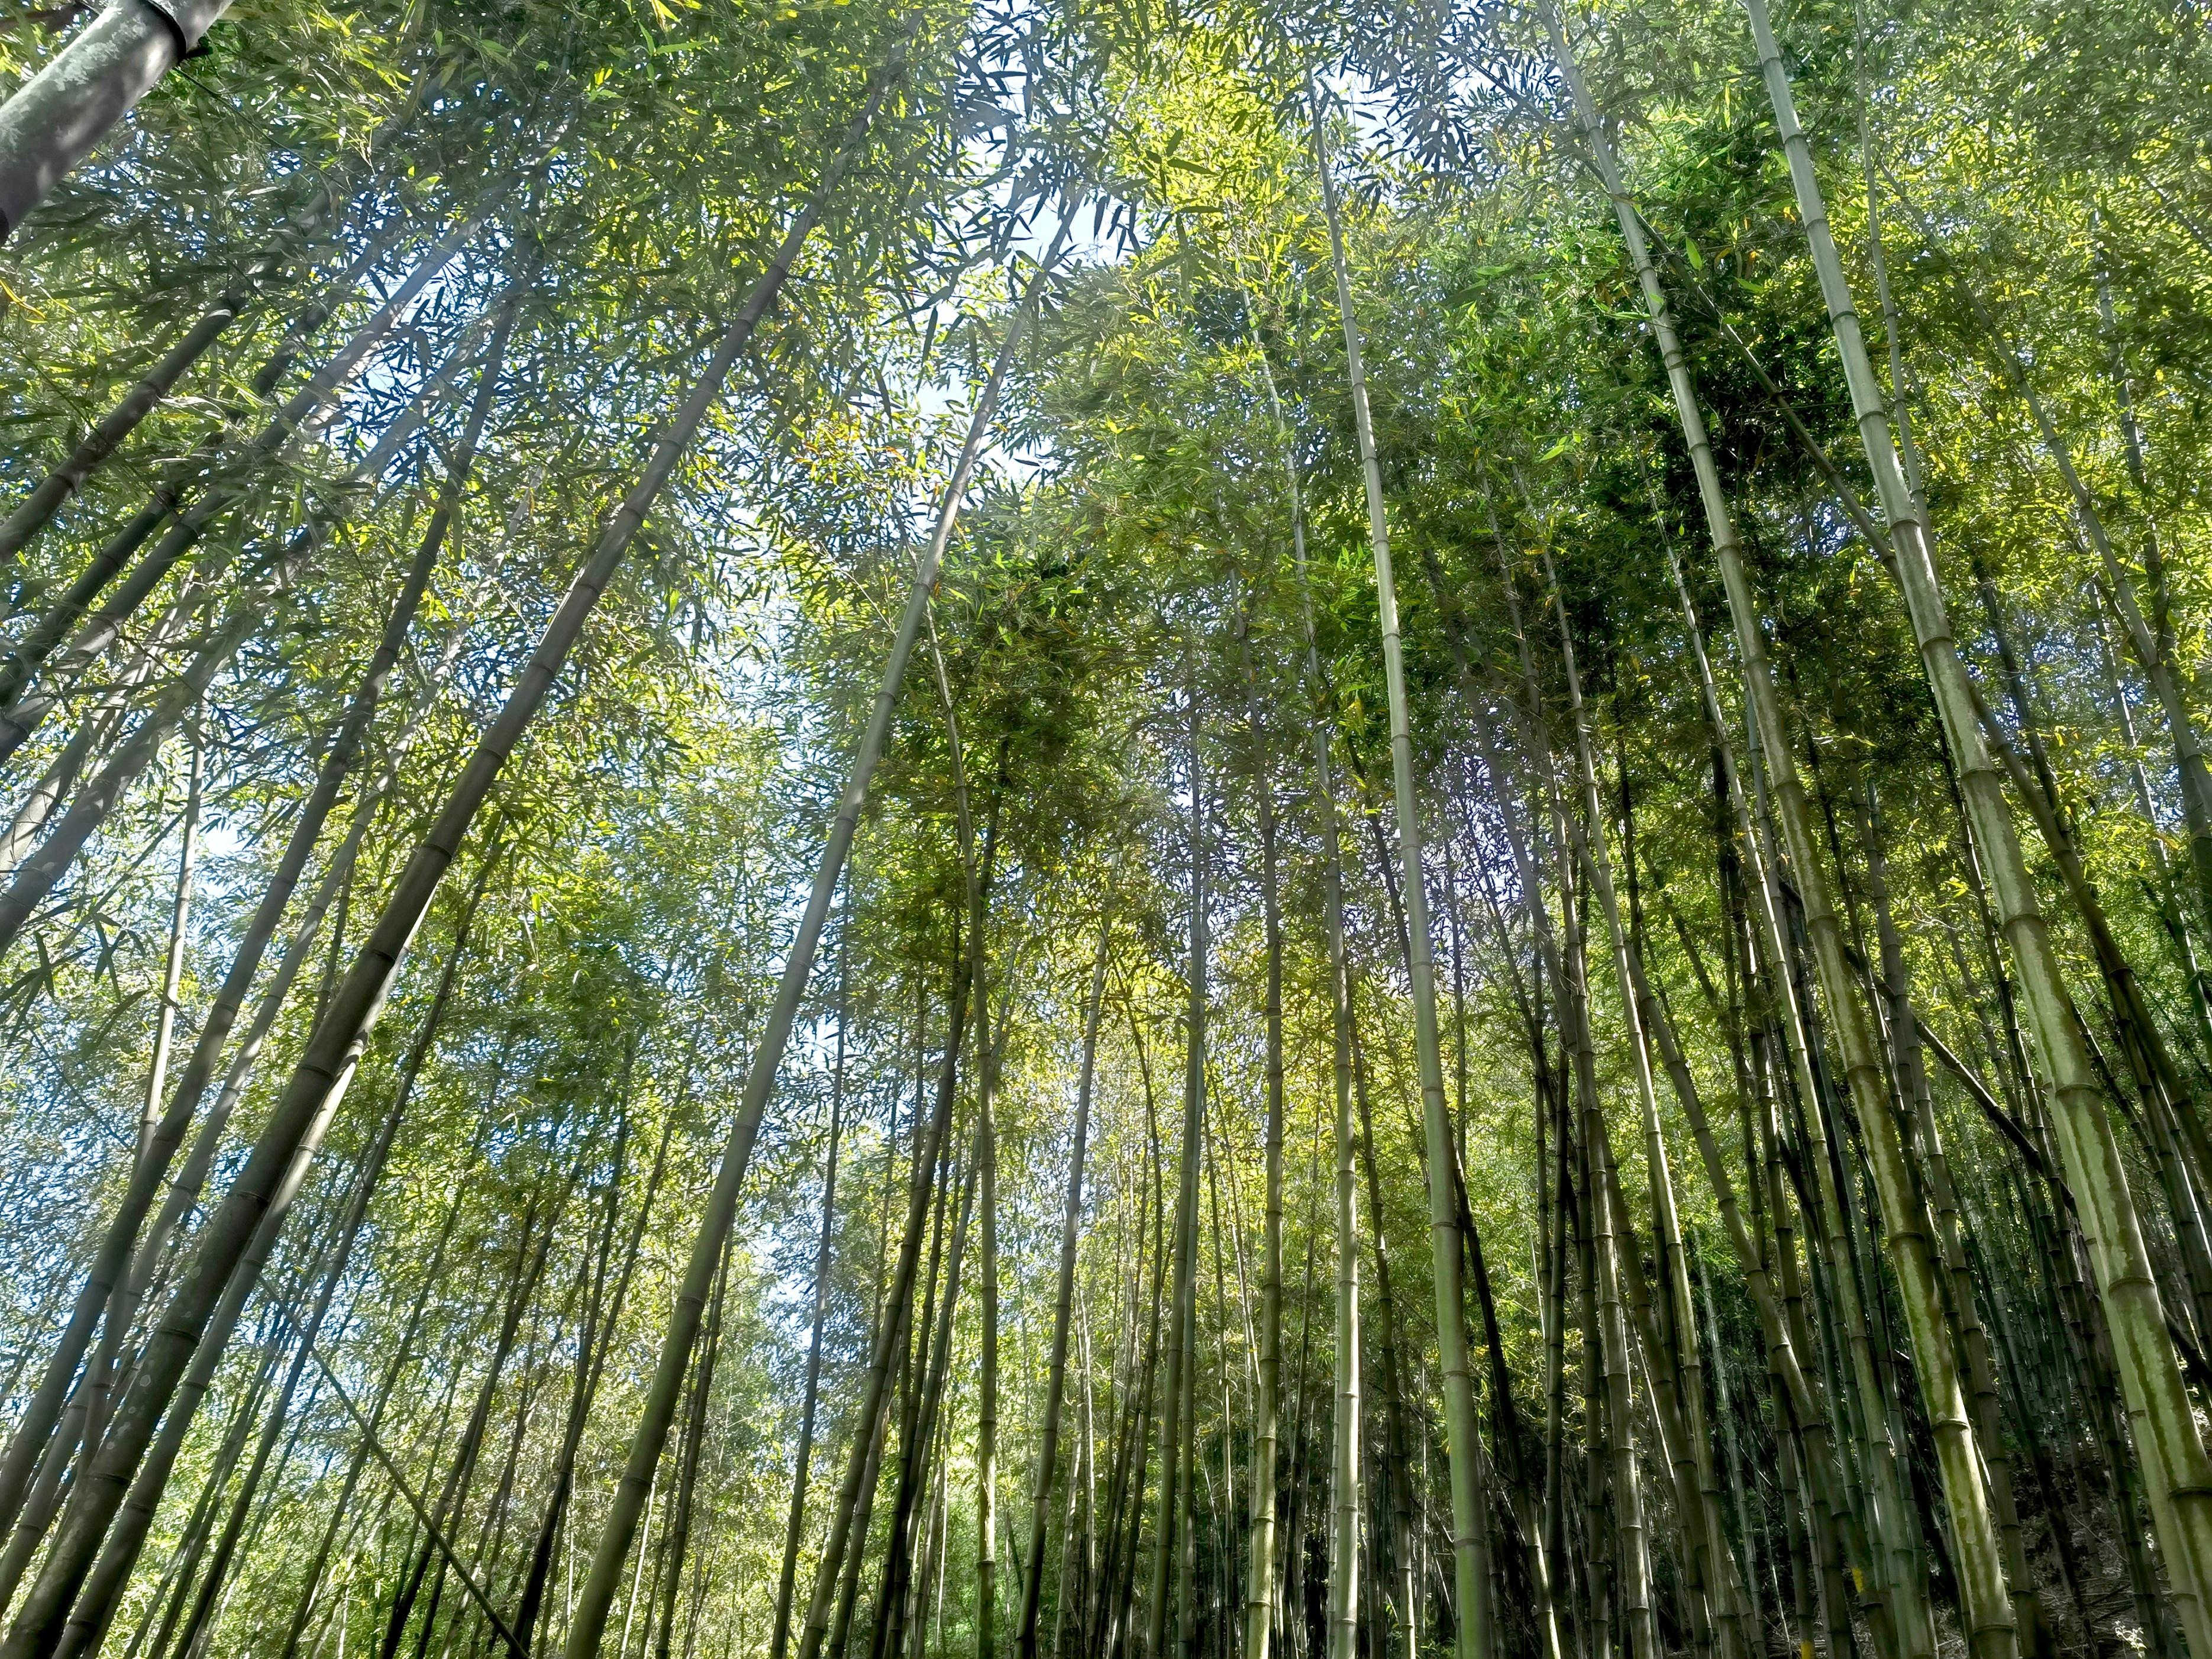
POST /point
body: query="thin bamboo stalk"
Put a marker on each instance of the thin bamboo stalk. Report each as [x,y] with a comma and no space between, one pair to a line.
[1470,1502]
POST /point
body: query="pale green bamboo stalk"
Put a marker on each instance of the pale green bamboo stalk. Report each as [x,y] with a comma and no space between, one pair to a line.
[1910,1066]
[1605,1337]
[1025,1637]
[1342,1615]
[1259,1567]
[2176,1471]
[1988,1608]
[1511,814]
[1606,1290]
[1171,1524]
[172,966]
[1344,1440]
[1469,1506]
[986,1406]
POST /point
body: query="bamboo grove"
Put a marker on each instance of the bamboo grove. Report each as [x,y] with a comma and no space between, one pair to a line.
[844,831]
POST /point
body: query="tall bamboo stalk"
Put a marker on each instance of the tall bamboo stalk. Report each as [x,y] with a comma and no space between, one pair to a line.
[1025,1638]
[2177,1470]
[1469,1503]
[205,1606]
[1988,1610]
[986,1421]
[1611,1423]
[781,1638]
[1345,1474]
[1170,1526]
[830,1607]
[1266,1407]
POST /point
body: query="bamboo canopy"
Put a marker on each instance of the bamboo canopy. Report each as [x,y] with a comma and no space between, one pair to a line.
[1350,831]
